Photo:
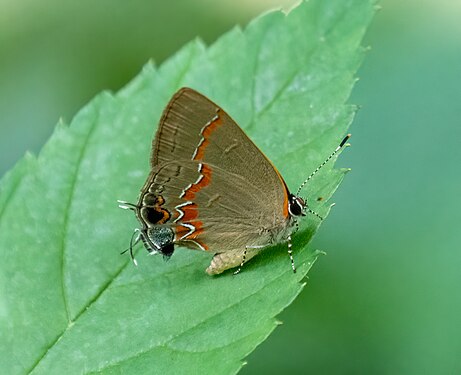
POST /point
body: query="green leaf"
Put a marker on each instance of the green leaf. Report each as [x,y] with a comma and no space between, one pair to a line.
[69,303]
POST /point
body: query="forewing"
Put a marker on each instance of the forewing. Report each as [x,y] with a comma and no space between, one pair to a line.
[194,128]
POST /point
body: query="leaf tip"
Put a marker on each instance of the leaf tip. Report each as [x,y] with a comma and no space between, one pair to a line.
[150,66]
[319,252]
[29,156]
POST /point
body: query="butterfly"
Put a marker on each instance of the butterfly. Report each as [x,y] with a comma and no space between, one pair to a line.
[210,188]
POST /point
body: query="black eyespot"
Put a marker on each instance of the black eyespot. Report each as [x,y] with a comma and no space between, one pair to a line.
[151,215]
[167,249]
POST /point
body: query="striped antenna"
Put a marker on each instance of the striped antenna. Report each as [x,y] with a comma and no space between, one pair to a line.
[315,214]
[126,205]
[135,238]
[343,142]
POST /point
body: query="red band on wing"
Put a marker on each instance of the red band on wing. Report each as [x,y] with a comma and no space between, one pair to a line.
[206,132]
[195,188]
[198,231]
[191,211]
[182,234]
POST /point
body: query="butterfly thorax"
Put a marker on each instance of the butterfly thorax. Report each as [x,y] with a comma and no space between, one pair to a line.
[296,207]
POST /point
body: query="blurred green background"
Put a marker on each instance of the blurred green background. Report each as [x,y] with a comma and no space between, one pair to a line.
[386,299]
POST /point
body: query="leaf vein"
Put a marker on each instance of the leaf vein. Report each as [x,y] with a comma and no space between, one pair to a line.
[167,343]
[65,229]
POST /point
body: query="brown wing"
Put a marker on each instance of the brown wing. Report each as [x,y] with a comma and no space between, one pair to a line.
[206,206]
[194,128]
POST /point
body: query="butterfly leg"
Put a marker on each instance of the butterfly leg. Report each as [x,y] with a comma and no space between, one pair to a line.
[244,256]
[290,253]
[241,264]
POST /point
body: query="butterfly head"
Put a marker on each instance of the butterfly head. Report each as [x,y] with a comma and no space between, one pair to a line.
[297,206]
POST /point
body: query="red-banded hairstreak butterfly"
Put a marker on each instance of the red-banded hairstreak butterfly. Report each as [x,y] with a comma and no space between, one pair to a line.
[210,188]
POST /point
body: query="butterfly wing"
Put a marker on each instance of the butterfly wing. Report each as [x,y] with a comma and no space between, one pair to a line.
[214,212]
[210,186]
[194,128]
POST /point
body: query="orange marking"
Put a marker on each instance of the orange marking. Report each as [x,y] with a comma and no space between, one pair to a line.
[198,230]
[286,212]
[205,181]
[206,134]
[159,200]
[182,231]
[197,233]
[190,212]
[166,216]
[203,245]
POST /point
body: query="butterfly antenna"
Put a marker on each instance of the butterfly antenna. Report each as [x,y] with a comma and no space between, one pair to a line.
[126,205]
[135,237]
[315,214]
[343,142]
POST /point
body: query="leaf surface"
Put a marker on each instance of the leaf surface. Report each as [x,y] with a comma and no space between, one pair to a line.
[69,303]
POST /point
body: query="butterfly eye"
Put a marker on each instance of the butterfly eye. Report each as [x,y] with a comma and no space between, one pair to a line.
[296,206]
